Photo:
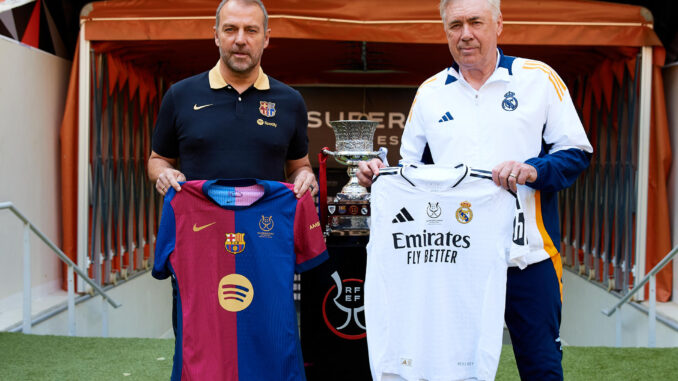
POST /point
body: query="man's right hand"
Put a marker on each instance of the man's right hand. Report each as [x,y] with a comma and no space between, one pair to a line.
[162,170]
[169,177]
[367,170]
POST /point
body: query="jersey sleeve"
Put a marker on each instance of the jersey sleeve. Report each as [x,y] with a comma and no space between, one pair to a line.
[413,140]
[165,243]
[298,147]
[309,245]
[165,142]
[566,149]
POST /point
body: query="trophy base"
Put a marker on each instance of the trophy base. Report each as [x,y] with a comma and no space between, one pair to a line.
[348,217]
[349,233]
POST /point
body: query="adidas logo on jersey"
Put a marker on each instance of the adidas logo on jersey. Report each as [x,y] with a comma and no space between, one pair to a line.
[403,216]
[446,117]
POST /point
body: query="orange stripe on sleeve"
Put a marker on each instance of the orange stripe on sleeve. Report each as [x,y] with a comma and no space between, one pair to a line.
[558,266]
[551,72]
[429,80]
[549,247]
[552,77]
[560,97]
[409,116]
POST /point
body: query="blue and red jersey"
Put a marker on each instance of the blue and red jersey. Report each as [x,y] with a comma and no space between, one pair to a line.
[233,247]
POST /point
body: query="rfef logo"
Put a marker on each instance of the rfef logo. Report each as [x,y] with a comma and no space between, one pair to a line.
[345,313]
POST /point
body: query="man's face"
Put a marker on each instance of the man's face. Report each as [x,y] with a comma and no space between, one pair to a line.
[241,36]
[472,33]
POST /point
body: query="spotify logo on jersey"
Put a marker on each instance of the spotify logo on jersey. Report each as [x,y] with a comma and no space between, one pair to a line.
[235,292]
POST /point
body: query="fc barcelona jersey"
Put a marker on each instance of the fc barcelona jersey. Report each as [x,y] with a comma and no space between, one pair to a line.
[233,247]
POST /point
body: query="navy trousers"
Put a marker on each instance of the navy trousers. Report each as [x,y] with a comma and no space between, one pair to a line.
[532,315]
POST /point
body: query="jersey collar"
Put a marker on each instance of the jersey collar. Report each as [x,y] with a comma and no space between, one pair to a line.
[428,179]
[234,183]
[502,71]
[218,82]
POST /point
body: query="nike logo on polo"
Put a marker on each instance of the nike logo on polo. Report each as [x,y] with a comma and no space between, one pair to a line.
[196,107]
[199,228]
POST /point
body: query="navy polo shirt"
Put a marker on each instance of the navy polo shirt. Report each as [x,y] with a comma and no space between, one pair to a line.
[215,132]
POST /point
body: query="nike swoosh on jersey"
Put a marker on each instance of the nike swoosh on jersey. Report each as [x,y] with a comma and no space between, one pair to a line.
[199,228]
[196,107]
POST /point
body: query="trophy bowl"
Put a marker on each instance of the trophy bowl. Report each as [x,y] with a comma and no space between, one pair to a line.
[354,143]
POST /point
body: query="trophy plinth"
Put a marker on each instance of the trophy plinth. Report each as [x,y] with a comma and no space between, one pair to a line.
[349,213]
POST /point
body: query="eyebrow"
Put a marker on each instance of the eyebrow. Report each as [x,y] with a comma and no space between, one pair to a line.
[470,19]
[225,24]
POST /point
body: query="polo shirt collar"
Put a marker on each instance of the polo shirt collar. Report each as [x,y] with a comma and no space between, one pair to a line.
[503,62]
[218,82]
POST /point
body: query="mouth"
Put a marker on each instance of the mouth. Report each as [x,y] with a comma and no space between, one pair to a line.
[467,49]
[240,54]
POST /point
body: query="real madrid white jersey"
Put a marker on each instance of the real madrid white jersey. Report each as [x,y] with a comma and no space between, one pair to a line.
[440,242]
[522,112]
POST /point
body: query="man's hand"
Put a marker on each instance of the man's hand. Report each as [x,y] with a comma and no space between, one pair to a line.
[367,170]
[169,177]
[304,181]
[300,173]
[510,173]
[162,170]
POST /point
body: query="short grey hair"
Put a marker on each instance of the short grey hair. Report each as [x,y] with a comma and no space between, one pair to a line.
[495,6]
[256,2]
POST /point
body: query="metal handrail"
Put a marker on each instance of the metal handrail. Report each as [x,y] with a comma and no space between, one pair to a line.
[28,225]
[652,315]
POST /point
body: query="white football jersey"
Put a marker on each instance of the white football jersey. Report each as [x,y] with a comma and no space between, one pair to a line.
[441,239]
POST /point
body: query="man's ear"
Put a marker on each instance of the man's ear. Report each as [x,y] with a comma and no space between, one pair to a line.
[500,24]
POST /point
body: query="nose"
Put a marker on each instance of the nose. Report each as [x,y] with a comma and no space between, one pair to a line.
[466,32]
[240,37]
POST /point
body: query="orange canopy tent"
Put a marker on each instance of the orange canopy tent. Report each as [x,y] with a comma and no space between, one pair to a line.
[370,42]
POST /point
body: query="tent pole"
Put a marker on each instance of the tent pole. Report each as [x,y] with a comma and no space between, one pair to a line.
[643,163]
[83,152]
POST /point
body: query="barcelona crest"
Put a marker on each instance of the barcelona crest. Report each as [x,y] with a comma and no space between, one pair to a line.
[267,108]
[464,214]
[235,242]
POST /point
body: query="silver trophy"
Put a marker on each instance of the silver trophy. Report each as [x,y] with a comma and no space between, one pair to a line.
[349,212]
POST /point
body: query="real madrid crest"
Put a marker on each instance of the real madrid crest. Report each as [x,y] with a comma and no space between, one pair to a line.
[510,102]
[464,214]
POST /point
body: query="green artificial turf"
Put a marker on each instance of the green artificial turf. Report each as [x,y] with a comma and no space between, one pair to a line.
[34,357]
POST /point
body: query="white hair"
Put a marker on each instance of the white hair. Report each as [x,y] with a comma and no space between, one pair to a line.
[494,6]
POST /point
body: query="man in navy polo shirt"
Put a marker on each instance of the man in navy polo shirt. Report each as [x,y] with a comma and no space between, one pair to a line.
[233,121]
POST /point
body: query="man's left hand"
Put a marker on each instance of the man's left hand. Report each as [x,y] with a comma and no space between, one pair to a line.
[304,181]
[510,173]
